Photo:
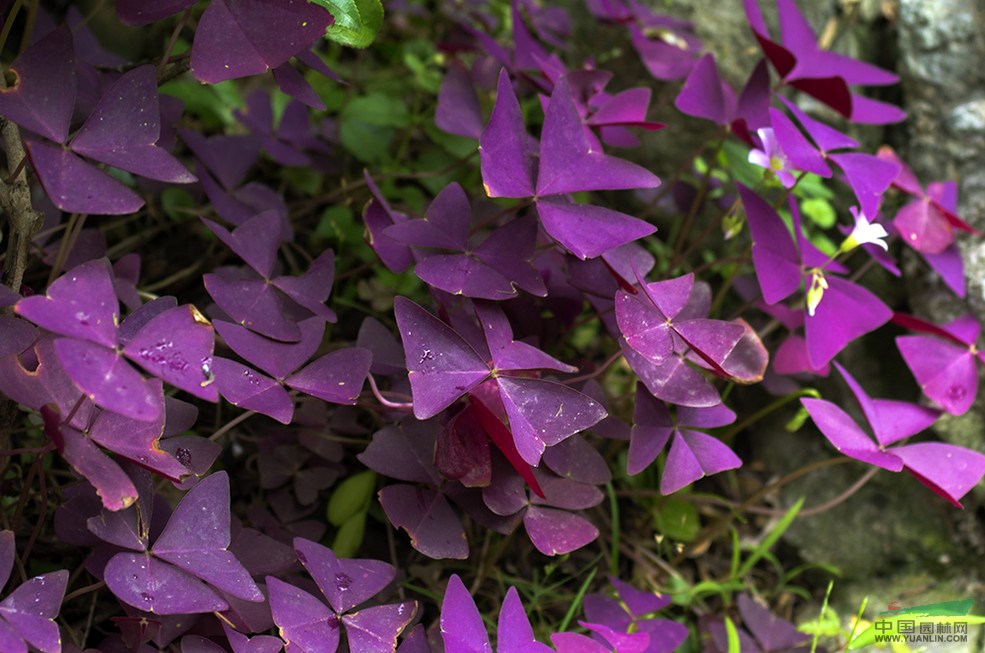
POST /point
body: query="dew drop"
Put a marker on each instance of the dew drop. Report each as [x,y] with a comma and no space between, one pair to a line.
[184,456]
[333,622]
[427,355]
[147,598]
[342,582]
[956,393]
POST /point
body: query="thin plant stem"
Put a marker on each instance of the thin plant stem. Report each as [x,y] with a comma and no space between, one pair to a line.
[231,424]
[598,371]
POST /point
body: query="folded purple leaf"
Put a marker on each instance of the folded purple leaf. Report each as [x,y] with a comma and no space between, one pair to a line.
[434,528]
[42,97]
[125,126]
[237,38]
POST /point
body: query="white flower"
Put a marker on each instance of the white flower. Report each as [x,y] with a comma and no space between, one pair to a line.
[772,157]
[816,291]
[865,233]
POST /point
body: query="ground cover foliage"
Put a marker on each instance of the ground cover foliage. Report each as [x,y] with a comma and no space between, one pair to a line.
[327,327]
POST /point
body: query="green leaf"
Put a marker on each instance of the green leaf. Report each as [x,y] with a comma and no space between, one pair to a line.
[178,204]
[349,537]
[732,637]
[356,21]
[351,497]
[771,539]
[819,211]
[378,109]
[678,519]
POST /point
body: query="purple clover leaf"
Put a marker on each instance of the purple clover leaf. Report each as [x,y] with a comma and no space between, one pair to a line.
[238,38]
[631,612]
[444,367]
[174,344]
[822,74]
[949,470]
[27,614]
[693,454]
[189,564]
[567,164]
[307,624]
[122,129]
[944,366]
[706,95]
[925,224]
[270,305]
[463,631]
[491,269]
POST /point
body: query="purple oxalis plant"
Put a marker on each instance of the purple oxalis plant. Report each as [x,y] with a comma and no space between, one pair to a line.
[484,422]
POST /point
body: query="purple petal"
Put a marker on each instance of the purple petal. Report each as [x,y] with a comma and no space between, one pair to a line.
[509,354]
[237,38]
[375,630]
[176,346]
[81,304]
[303,620]
[337,377]
[568,163]
[434,528]
[255,241]
[577,459]
[31,609]
[890,420]
[442,366]
[311,289]
[774,254]
[461,625]
[701,95]
[151,585]
[137,441]
[801,153]
[674,381]
[75,186]
[868,175]
[258,644]
[588,231]
[125,126]
[253,303]
[772,632]
[827,138]
[949,265]
[556,532]
[108,380]
[276,358]
[652,428]
[458,109]
[692,456]
[845,435]
[42,97]
[507,166]
[948,470]
[644,328]
[542,413]
[197,536]
[246,388]
[947,374]
[639,602]
[403,452]
[515,634]
[846,312]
